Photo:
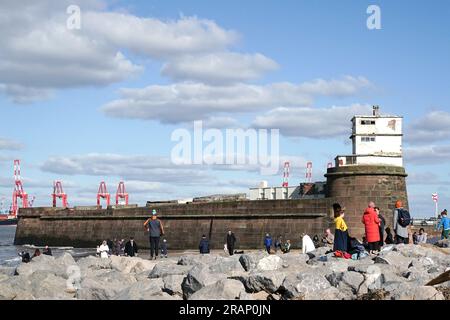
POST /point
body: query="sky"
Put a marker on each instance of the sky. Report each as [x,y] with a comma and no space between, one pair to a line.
[100,100]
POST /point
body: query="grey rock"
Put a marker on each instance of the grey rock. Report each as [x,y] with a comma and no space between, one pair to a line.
[143,290]
[304,285]
[226,265]
[197,278]
[104,284]
[250,261]
[163,269]
[269,281]
[395,259]
[172,284]
[226,289]
[353,280]
[270,263]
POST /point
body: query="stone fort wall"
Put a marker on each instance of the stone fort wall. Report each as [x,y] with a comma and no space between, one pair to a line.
[352,187]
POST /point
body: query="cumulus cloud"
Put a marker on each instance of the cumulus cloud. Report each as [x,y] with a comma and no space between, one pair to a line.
[39,53]
[182,102]
[314,123]
[7,144]
[426,155]
[432,128]
[218,68]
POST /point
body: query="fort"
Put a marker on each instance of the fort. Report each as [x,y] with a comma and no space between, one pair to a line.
[373,172]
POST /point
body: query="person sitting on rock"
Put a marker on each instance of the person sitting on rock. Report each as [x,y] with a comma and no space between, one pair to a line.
[328,238]
[279,243]
[204,245]
[164,249]
[103,250]
[286,247]
[25,256]
[37,253]
[47,251]
[268,242]
[307,244]
[414,238]
[131,248]
[422,236]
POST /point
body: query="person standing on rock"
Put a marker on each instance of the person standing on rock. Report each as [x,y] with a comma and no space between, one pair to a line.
[204,245]
[231,241]
[400,227]
[341,231]
[131,248]
[445,225]
[268,242]
[382,225]
[372,227]
[155,227]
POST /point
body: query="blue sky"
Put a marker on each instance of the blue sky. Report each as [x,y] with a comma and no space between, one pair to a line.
[72,108]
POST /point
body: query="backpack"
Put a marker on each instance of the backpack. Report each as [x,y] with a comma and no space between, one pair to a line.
[404,218]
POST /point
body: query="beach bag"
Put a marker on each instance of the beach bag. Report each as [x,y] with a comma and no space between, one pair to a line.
[404,218]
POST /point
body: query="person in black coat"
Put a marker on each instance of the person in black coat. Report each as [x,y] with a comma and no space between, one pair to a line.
[382,225]
[231,241]
[204,245]
[131,248]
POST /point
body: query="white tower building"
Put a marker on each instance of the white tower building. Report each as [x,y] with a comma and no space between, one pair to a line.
[376,140]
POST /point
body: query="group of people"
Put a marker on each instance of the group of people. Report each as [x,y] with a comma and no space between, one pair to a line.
[374,224]
[284,247]
[27,258]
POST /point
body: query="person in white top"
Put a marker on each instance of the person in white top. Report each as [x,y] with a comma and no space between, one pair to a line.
[307,244]
[104,249]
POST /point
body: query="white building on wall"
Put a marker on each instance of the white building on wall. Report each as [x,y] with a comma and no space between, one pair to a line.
[376,140]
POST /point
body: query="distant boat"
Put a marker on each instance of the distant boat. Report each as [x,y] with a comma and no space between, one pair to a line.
[7,220]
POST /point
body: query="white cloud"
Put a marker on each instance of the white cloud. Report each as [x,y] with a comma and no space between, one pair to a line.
[427,155]
[39,53]
[184,102]
[314,123]
[218,68]
[432,128]
[7,144]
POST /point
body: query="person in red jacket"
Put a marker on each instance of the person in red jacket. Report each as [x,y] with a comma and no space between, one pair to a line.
[372,225]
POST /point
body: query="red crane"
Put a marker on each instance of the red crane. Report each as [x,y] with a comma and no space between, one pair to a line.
[120,193]
[286,170]
[103,193]
[18,191]
[58,192]
[309,172]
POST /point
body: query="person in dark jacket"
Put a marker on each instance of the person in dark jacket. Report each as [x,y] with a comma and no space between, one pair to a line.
[155,228]
[131,248]
[268,242]
[110,244]
[279,243]
[382,226]
[231,241]
[204,245]
[389,237]
[47,251]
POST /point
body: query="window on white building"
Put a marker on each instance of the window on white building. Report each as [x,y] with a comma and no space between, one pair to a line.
[368,122]
[367,139]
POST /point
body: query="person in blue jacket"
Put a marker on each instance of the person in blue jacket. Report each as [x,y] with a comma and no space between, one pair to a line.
[204,245]
[268,242]
[444,223]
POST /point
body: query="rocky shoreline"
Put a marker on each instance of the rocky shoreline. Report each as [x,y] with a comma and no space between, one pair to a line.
[399,272]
